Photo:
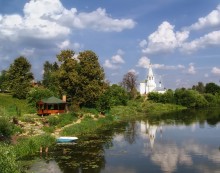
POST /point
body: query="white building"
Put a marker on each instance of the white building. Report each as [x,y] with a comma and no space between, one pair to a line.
[149,85]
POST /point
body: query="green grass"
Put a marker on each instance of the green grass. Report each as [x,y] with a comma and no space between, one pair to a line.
[10,106]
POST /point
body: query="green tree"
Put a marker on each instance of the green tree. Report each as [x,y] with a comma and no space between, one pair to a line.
[199,87]
[50,77]
[3,80]
[68,75]
[81,78]
[91,76]
[38,93]
[212,88]
[19,77]
[190,98]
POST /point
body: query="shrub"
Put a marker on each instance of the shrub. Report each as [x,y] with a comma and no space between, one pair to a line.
[8,162]
[6,128]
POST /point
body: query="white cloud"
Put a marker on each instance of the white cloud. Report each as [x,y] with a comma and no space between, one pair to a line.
[109,64]
[216,70]
[143,62]
[209,39]
[168,67]
[191,69]
[211,20]
[117,59]
[164,39]
[47,26]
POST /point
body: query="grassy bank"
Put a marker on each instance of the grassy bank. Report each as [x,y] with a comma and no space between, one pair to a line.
[10,106]
[39,132]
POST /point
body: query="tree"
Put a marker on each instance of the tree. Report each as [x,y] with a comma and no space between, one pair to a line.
[68,74]
[212,88]
[200,87]
[3,80]
[129,82]
[92,76]
[82,78]
[50,78]
[19,77]
[38,93]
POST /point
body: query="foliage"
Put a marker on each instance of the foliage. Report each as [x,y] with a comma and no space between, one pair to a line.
[129,82]
[190,98]
[212,88]
[200,87]
[82,78]
[29,146]
[19,77]
[3,81]
[6,127]
[114,95]
[50,79]
[185,97]
[8,160]
[92,75]
[38,93]
[61,120]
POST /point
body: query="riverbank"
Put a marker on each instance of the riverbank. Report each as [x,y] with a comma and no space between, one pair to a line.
[41,132]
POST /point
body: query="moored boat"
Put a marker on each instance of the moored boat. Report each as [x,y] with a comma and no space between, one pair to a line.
[66,139]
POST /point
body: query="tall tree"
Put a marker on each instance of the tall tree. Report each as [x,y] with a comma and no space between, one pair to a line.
[19,77]
[200,87]
[3,80]
[212,88]
[50,79]
[129,82]
[68,74]
[91,78]
[82,78]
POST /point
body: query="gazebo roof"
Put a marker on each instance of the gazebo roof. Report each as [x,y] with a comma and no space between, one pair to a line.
[52,100]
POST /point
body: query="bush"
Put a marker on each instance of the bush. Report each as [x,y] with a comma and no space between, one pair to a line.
[6,128]
[8,162]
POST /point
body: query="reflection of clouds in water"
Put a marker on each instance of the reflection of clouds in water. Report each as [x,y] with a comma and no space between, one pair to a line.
[118,169]
[169,155]
[42,167]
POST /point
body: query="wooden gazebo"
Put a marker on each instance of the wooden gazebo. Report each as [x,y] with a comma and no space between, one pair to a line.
[51,105]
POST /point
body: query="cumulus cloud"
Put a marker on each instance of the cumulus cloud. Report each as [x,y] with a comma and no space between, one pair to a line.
[216,70]
[164,39]
[211,20]
[143,62]
[45,27]
[115,61]
[191,69]
[168,67]
[210,39]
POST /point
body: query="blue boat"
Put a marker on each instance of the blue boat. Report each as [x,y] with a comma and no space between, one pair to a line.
[66,139]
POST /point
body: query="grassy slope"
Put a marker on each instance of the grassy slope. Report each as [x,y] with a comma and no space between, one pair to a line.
[12,107]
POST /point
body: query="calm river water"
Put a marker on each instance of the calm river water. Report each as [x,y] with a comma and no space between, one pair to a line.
[182,142]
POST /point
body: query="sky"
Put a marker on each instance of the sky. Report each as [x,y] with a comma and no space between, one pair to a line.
[180,38]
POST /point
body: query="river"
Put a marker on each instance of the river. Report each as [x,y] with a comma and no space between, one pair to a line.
[187,141]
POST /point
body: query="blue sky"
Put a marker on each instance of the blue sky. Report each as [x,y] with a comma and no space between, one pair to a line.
[180,38]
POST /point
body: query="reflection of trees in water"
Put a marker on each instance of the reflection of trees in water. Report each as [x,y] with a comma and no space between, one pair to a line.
[130,132]
[87,156]
[188,117]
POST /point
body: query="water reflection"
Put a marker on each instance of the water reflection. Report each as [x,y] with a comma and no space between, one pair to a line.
[181,142]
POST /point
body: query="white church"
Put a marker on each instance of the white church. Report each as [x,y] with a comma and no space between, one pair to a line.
[149,85]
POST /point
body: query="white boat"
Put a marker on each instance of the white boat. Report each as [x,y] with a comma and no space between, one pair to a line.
[66,139]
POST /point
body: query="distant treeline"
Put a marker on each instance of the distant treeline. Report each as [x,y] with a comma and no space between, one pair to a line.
[198,96]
